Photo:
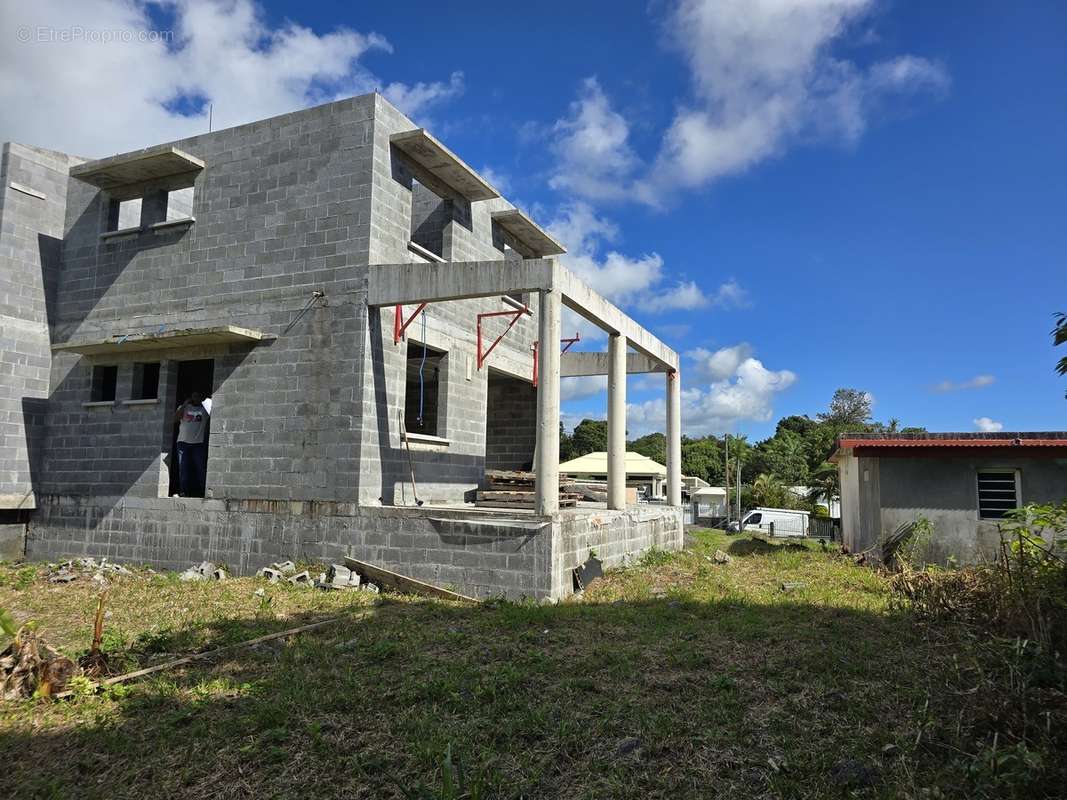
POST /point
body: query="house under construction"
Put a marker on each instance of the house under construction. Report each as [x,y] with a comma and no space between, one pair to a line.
[376,327]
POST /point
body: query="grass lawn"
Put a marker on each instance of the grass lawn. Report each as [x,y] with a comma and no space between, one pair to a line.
[678,677]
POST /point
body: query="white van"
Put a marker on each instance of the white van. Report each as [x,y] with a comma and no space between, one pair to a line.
[774,521]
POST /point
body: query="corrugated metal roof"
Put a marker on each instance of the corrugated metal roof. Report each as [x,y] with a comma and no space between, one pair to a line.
[927,443]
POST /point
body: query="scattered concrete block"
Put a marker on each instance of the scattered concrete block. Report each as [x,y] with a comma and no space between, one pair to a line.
[373,588]
[270,574]
[63,576]
[219,574]
[302,579]
[792,586]
[206,569]
[192,574]
[284,567]
[722,557]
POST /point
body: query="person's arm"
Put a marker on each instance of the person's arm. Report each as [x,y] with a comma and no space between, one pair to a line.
[206,403]
[180,411]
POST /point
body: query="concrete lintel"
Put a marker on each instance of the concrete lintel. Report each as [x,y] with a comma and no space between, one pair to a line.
[581,299]
[136,167]
[575,365]
[404,284]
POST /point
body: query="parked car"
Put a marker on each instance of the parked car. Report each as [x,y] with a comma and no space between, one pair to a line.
[774,521]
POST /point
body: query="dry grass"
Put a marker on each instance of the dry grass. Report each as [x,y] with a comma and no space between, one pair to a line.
[678,677]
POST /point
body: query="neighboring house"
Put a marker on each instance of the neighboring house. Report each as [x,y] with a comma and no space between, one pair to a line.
[641,471]
[709,505]
[804,492]
[359,304]
[962,482]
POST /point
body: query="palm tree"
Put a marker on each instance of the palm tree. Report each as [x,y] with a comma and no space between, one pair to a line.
[1059,336]
[825,483]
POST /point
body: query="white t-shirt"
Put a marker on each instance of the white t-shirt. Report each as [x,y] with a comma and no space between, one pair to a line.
[193,422]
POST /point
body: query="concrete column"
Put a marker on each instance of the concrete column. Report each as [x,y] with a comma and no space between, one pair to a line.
[616,421]
[546,462]
[674,438]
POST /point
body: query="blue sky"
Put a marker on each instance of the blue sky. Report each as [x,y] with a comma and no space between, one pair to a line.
[795,195]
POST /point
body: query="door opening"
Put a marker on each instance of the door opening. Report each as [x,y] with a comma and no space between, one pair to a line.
[194,377]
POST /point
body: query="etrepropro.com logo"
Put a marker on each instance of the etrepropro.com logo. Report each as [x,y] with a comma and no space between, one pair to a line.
[46,34]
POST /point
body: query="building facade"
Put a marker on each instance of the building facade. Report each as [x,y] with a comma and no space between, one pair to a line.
[361,307]
[962,482]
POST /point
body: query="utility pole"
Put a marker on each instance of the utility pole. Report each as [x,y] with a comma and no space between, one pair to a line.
[726,472]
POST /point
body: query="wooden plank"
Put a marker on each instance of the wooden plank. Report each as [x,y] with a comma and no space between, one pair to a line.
[509,495]
[402,583]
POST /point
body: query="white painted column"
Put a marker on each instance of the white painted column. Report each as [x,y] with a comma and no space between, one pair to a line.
[616,421]
[546,461]
[674,438]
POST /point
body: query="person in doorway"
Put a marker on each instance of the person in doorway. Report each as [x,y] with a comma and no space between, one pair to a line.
[192,418]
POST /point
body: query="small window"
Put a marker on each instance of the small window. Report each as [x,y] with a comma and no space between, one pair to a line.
[179,204]
[998,493]
[755,519]
[146,381]
[422,391]
[123,214]
[104,381]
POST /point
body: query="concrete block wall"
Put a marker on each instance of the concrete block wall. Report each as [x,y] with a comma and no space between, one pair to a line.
[282,210]
[617,537]
[480,556]
[511,423]
[443,471]
[33,191]
[477,557]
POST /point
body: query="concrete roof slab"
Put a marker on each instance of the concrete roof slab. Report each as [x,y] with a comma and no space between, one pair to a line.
[164,340]
[136,167]
[531,237]
[442,164]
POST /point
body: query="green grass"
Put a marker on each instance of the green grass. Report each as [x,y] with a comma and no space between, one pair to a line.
[678,677]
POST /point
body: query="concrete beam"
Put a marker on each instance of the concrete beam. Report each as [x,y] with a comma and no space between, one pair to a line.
[574,365]
[585,302]
[403,284]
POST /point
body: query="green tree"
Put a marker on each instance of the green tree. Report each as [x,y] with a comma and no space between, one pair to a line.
[784,456]
[702,458]
[825,485]
[590,436]
[848,407]
[770,492]
[1059,336]
[566,444]
[653,445]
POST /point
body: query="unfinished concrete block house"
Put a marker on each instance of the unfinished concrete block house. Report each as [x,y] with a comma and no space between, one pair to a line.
[361,307]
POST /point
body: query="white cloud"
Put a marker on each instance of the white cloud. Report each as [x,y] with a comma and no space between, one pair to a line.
[987,425]
[579,388]
[141,93]
[592,146]
[627,280]
[763,79]
[719,365]
[499,180]
[741,389]
[977,382]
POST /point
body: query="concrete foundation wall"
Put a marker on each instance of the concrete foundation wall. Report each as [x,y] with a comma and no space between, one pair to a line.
[480,556]
[33,194]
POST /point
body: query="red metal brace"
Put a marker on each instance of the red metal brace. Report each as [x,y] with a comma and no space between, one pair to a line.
[399,323]
[515,315]
[566,346]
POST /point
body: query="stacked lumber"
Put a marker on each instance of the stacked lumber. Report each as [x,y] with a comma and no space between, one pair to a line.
[515,489]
